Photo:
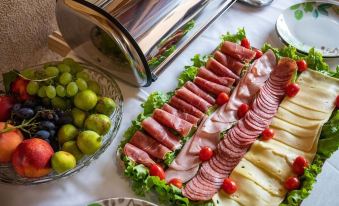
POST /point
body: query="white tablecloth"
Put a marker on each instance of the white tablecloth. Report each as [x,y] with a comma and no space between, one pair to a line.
[101,179]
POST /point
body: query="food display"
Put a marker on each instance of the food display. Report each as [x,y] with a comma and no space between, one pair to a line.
[55,118]
[244,127]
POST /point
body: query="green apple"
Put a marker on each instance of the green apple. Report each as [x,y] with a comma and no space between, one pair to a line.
[63,161]
[89,142]
[85,100]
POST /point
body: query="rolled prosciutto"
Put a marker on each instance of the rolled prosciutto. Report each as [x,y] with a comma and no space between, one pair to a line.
[169,120]
[183,106]
[182,115]
[208,75]
[149,145]
[229,62]
[192,99]
[220,69]
[236,51]
[160,133]
[138,155]
[211,87]
[196,90]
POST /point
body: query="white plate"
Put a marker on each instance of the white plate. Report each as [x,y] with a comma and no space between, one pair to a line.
[311,24]
[121,202]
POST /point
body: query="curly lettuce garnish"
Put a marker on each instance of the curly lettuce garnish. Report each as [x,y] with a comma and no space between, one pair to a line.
[236,38]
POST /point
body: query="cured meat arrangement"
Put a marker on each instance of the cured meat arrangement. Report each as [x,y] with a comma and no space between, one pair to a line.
[241,129]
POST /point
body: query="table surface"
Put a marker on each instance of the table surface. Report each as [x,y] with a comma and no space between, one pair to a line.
[102,179]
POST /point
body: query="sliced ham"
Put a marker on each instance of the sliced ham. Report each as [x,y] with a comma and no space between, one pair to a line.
[171,121]
[238,139]
[208,75]
[233,64]
[220,69]
[196,90]
[138,155]
[192,99]
[236,51]
[182,115]
[211,87]
[149,145]
[183,106]
[160,133]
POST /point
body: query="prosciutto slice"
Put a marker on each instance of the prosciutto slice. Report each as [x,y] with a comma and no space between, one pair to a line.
[211,87]
[196,90]
[236,51]
[138,155]
[185,107]
[160,133]
[220,69]
[192,99]
[149,145]
[237,141]
[208,75]
[169,120]
[182,115]
[229,62]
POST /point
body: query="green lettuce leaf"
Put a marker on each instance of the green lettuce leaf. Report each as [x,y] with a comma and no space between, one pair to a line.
[236,38]
[188,75]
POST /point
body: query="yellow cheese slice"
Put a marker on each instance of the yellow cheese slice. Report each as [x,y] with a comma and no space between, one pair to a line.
[260,177]
[302,111]
[296,119]
[314,78]
[222,199]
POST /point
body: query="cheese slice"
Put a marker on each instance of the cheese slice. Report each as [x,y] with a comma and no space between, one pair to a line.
[222,199]
[302,111]
[314,78]
[295,130]
[296,119]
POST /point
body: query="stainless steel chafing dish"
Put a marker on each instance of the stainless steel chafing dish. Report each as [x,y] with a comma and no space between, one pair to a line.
[134,39]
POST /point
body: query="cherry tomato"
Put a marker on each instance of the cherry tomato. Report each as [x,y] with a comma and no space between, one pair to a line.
[258,53]
[292,183]
[156,170]
[299,165]
[267,134]
[337,102]
[205,153]
[242,110]
[245,43]
[229,186]
[302,65]
[176,182]
[292,89]
[222,98]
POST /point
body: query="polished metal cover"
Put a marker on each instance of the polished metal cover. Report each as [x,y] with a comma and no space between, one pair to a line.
[134,39]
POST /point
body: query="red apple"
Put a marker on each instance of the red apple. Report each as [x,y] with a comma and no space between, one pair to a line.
[32,158]
[9,142]
[6,103]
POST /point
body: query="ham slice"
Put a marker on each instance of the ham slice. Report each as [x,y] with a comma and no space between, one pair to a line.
[211,87]
[210,76]
[183,106]
[196,90]
[192,99]
[219,69]
[169,120]
[236,51]
[237,141]
[229,62]
[149,145]
[182,115]
[160,133]
[138,155]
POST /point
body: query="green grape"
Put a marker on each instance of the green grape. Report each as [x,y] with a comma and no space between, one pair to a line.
[42,91]
[28,73]
[68,61]
[60,91]
[72,89]
[32,88]
[64,68]
[52,71]
[65,78]
[83,75]
[94,86]
[82,84]
[60,103]
[50,91]
[77,67]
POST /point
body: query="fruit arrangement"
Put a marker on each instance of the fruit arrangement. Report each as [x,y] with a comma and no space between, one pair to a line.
[51,118]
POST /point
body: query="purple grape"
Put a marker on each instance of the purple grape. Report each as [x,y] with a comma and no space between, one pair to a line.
[48,125]
[65,120]
[16,107]
[43,134]
[25,113]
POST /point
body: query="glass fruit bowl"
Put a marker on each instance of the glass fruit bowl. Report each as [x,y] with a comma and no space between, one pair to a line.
[109,88]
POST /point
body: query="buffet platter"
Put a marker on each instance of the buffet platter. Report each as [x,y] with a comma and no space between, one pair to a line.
[244,127]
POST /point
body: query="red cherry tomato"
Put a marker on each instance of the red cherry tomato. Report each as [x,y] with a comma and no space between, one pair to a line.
[222,98]
[292,183]
[156,170]
[258,53]
[245,43]
[205,153]
[337,102]
[302,65]
[242,110]
[292,89]
[267,134]
[299,165]
[229,186]
[176,182]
